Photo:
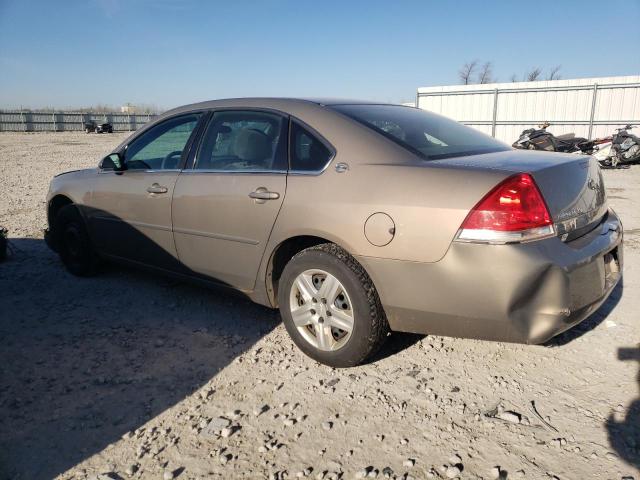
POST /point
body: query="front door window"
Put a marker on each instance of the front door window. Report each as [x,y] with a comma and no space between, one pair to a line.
[161,147]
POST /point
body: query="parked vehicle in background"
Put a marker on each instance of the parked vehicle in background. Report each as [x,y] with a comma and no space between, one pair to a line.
[604,151]
[354,219]
[90,127]
[625,148]
[541,139]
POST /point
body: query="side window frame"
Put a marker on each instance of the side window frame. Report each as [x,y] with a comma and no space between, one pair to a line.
[192,159]
[203,114]
[318,136]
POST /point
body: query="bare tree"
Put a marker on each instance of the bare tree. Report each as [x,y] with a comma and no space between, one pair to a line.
[533,74]
[554,73]
[150,108]
[486,73]
[514,78]
[466,72]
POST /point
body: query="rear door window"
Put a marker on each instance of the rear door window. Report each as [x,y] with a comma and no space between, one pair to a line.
[237,141]
[307,152]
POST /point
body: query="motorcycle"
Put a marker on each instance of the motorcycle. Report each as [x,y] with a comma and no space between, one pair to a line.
[532,139]
[625,149]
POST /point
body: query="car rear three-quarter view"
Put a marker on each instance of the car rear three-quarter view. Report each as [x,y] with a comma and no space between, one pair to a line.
[354,219]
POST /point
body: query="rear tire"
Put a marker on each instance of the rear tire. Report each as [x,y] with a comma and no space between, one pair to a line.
[73,243]
[351,302]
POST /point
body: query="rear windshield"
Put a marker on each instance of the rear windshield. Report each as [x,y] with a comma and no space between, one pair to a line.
[428,135]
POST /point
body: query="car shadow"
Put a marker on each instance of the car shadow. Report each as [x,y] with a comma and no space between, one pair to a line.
[86,360]
[396,343]
[623,426]
[592,321]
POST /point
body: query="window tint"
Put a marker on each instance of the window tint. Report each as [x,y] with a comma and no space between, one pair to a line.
[429,135]
[237,141]
[308,154]
[161,147]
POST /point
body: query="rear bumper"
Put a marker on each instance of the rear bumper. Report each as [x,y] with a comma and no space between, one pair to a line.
[525,293]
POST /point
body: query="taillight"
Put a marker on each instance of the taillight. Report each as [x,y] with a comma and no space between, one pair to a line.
[514,211]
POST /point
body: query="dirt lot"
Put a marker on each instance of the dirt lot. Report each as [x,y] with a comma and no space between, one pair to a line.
[129,375]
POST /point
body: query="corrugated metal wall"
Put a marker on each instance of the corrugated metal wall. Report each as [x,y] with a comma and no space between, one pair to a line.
[31,121]
[505,109]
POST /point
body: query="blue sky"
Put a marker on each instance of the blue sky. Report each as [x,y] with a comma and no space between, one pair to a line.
[170,52]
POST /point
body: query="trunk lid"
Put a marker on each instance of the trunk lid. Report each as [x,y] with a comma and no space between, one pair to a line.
[571,185]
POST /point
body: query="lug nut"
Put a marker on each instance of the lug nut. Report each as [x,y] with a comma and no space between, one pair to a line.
[313,312]
[321,320]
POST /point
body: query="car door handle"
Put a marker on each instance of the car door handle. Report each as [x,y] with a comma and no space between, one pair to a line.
[157,188]
[264,195]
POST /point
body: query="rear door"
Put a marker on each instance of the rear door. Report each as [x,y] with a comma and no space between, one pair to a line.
[225,206]
[129,211]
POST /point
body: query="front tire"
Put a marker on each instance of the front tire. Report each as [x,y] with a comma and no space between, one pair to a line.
[73,243]
[330,307]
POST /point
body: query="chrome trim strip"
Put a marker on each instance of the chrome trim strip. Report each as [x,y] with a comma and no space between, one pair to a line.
[503,237]
[264,172]
[317,172]
[218,236]
[136,170]
[234,172]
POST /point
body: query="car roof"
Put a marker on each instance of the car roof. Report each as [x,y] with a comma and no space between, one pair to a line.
[313,112]
[342,101]
[270,102]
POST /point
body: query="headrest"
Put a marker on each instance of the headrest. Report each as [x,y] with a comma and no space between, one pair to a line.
[251,145]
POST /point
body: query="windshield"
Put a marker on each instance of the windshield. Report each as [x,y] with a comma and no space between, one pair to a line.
[428,135]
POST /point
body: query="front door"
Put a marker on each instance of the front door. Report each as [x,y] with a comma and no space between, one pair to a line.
[225,206]
[130,211]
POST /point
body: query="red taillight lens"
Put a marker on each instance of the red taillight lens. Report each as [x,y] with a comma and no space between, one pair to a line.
[513,211]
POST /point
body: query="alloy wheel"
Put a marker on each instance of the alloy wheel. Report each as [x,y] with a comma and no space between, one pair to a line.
[321,310]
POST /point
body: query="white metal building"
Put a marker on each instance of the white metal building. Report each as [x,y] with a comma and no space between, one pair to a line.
[589,107]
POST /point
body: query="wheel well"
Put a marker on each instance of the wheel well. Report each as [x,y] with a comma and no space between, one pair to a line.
[55,205]
[281,256]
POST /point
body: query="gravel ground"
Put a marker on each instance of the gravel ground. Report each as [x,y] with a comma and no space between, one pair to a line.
[128,375]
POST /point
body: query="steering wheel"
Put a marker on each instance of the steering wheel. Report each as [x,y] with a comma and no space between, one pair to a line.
[169,156]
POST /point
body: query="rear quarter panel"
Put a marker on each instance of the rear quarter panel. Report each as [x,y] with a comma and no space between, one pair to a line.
[426,201]
[427,205]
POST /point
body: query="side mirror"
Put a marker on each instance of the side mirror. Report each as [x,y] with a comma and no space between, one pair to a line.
[113,162]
